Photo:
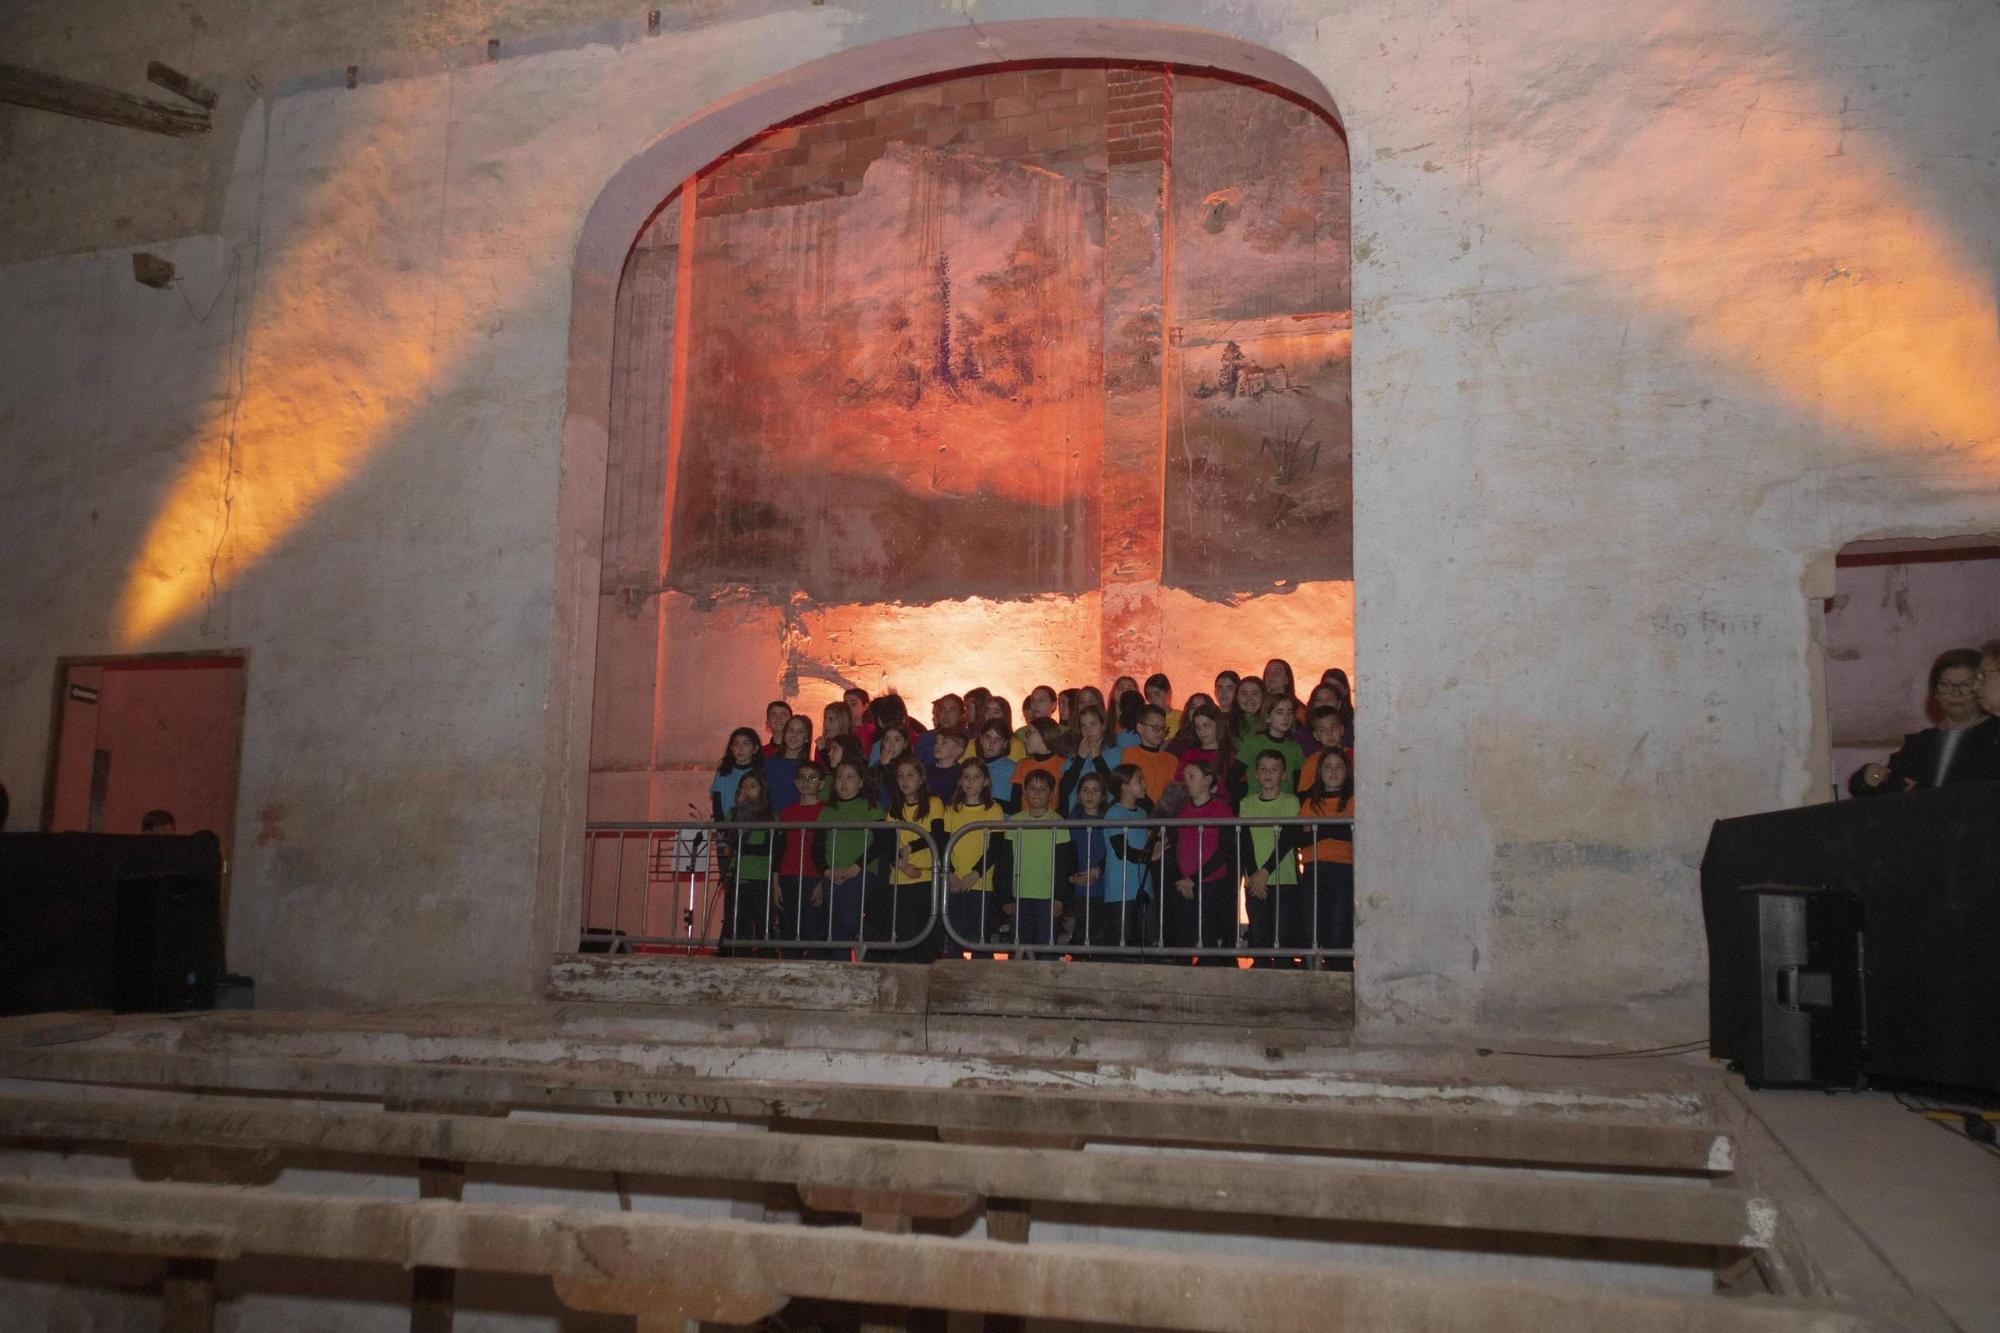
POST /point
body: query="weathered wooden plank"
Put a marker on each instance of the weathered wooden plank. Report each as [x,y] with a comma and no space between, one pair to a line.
[1318,1002]
[739,983]
[434,1291]
[667,1306]
[29,1226]
[944,1180]
[1109,1284]
[180,85]
[71,97]
[1218,1122]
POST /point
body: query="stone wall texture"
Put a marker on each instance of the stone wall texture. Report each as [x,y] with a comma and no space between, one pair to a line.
[1655,308]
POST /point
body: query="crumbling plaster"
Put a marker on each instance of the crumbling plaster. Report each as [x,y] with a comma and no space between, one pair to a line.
[1654,308]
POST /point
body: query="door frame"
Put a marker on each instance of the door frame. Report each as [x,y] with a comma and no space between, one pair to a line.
[58,689]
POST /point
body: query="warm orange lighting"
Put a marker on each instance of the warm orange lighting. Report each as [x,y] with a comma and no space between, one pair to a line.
[1782,238]
[352,317]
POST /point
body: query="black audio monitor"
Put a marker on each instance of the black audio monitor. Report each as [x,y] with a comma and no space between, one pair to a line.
[108,921]
[1799,987]
[167,953]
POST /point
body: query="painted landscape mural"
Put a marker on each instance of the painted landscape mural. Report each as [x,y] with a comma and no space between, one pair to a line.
[1259,441]
[1030,374]
[895,388]
[896,394]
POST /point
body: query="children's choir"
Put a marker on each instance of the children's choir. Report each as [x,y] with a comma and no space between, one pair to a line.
[874,775]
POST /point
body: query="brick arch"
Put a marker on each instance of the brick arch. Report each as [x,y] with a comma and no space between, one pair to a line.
[630,199]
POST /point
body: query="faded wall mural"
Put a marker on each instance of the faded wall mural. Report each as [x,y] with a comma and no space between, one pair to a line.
[895,394]
[894,389]
[1259,437]
[1027,375]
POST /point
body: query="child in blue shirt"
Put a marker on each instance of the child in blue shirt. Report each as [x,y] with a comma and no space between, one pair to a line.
[995,740]
[744,754]
[1128,867]
[1084,862]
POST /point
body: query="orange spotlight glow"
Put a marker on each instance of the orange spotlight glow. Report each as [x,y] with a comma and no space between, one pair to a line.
[1785,240]
[353,314]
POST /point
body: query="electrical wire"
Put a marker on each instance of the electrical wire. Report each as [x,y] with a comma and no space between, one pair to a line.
[1641,1052]
[1957,1121]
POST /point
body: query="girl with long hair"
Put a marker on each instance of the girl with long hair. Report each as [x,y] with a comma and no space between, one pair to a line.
[1199,890]
[1089,752]
[744,754]
[745,856]
[1327,859]
[979,864]
[900,908]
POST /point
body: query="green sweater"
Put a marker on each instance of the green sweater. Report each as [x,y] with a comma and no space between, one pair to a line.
[1264,841]
[847,847]
[1257,742]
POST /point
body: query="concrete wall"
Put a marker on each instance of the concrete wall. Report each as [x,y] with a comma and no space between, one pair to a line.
[1655,309]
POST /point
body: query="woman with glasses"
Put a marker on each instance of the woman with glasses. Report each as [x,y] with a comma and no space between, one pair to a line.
[1963,747]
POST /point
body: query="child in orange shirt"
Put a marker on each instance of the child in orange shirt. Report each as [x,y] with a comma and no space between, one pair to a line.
[1327,860]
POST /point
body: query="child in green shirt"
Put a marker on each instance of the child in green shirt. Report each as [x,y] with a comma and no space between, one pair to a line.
[1035,864]
[1274,862]
[1276,735]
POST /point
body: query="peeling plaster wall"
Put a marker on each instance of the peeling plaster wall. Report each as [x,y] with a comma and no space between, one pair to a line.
[1654,309]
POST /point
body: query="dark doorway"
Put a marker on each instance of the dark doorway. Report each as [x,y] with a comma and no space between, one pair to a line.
[134,735]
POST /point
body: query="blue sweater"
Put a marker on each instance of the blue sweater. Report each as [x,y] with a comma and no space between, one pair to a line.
[1128,867]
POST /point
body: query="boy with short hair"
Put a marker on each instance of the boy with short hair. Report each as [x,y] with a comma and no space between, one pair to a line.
[941,772]
[1149,756]
[776,714]
[1274,875]
[1160,693]
[1035,902]
[1326,733]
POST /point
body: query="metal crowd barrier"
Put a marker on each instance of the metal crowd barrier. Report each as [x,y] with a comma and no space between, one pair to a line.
[1130,910]
[697,887]
[700,887]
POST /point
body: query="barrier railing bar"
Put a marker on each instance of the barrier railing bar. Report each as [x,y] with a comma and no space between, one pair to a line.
[1157,946]
[784,918]
[692,872]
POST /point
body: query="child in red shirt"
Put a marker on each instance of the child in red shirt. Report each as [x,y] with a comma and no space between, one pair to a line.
[798,871]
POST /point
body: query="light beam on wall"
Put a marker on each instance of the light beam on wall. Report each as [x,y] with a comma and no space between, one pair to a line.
[1740,195]
[335,351]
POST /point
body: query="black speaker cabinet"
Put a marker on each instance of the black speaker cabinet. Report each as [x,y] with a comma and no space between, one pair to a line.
[1801,987]
[166,955]
[1925,866]
[101,921]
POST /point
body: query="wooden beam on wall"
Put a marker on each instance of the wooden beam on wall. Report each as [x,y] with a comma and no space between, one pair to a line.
[89,101]
[180,85]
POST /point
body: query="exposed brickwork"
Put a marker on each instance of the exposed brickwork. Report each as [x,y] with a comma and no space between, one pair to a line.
[1057,118]
[1139,122]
